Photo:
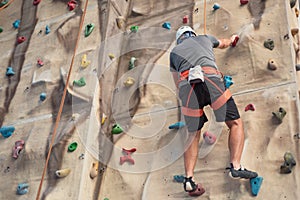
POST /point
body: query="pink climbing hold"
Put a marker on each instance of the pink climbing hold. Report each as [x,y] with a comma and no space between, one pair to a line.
[72,5]
[244,2]
[40,62]
[19,145]
[21,39]
[185,19]
[36,2]
[250,107]
[127,157]
[209,138]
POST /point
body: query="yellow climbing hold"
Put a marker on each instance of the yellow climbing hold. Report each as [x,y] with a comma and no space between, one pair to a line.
[84,61]
[104,117]
[120,22]
[111,56]
[94,170]
[129,81]
[63,172]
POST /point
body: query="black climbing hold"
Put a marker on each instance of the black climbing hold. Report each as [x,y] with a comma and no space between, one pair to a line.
[297,67]
[292,3]
[269,44]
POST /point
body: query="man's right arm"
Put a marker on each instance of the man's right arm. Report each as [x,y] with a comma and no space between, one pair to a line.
[224,43]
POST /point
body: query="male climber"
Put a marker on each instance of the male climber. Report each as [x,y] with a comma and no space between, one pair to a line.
[196,75]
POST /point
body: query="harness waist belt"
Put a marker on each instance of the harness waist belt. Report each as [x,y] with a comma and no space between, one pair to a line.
[206,69]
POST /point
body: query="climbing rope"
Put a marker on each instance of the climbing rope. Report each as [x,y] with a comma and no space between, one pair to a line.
[62,101]
[6,5]
[204,13]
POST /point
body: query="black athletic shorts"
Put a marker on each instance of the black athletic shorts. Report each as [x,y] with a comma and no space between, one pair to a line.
[198,95]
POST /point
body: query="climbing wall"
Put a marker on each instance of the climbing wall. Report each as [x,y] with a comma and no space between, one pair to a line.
[113,140]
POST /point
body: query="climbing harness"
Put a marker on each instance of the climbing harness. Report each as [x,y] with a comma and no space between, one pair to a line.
[218,103]
[62,101]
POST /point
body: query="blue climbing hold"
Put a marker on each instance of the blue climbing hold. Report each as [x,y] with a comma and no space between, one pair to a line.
[16,23]
[7,131]
[22,188]
[178,178]
[47,29]
[10,71]
[228,81]
[177,125]
[255,184]
[43,96]
[216,6]
[167,25]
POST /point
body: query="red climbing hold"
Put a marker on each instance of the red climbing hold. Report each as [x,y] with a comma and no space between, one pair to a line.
[129,151]
[21,39]
[185,19]
[244,2]
[127,157]
[36,2]
[19,145]
[235,40]
[40,62]
[250,107]
[72,5]
[209,137]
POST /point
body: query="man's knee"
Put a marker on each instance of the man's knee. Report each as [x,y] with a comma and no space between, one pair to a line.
[235,123]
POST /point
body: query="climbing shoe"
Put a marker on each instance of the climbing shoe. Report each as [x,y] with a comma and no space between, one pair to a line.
[189,185]
[192,188]
[241,173]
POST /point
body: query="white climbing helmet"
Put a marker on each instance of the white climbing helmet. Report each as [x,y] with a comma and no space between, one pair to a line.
[182,30]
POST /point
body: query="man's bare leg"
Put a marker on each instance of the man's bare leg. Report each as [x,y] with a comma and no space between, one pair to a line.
[191,154]
[236,141]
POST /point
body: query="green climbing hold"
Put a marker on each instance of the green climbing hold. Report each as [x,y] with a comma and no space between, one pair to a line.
[289,163]
[131,63]
[116,129]
[279,115]
[134,28]
[106,199]
[3,3]
[289,158]
[89,29]
[269,44]
[72,147]
[1,29]
[80,82]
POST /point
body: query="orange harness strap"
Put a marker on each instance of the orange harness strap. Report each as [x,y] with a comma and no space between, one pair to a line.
[221,100]
[216,104]
[191,112]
